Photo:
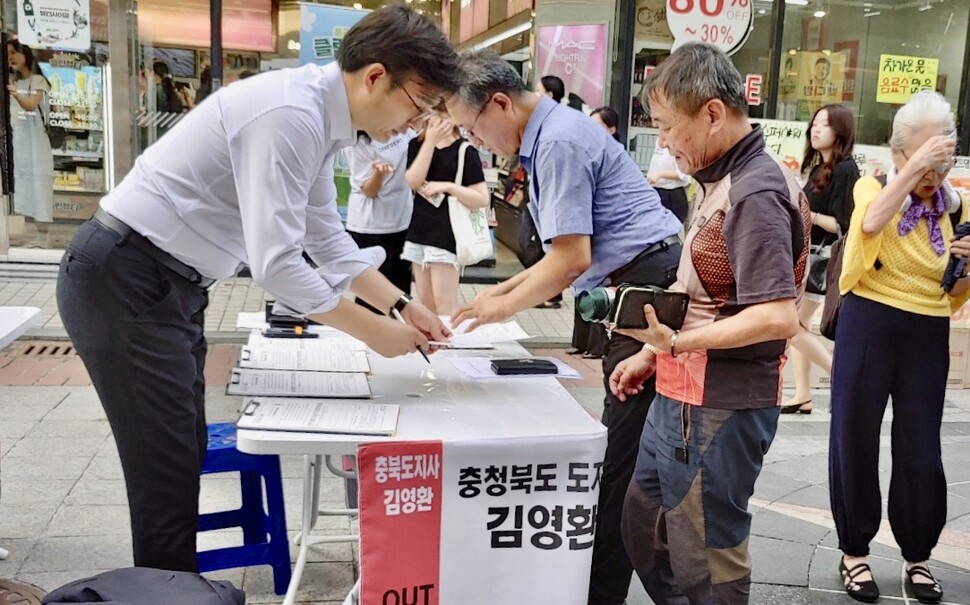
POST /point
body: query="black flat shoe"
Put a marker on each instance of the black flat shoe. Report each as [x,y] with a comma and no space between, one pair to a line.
[574,351]
[796,408]
[867,592]
[924,593]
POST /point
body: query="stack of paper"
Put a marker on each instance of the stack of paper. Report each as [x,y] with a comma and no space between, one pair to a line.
[303,358]
[484,336]
[351,418]
[290,383]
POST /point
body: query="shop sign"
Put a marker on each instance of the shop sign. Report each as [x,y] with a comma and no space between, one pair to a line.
[576,54]
[724,23]
[901,77]
[62,24]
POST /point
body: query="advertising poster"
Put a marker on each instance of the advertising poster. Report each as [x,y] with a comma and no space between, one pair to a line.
[901,77]
[820,81]
[322,28]
[479,522]
[849,48]
[577,54]
[76,93]
[652,22]
[60,24]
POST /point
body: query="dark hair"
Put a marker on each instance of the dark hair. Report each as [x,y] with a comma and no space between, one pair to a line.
[610,118]
[205,85]
[404,42]
[246,73]
[28,54]
[842,123]
[693,75]
[554,85]
[172,102]
[484,73]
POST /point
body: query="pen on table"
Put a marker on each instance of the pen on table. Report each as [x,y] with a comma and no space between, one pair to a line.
[397,315]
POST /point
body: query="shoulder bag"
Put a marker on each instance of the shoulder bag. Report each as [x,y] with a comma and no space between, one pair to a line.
[473,242]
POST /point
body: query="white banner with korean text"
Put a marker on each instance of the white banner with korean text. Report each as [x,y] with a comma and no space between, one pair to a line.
[479,522]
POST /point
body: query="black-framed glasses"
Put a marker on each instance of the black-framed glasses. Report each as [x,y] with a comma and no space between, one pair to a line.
[470,131]
[423,113]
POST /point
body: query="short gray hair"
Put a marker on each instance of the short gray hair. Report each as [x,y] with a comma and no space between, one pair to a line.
[484,73]
[925,108]
[693,75]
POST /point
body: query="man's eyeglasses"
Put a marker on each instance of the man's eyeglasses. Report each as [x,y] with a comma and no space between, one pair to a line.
[469,132]
[423,112]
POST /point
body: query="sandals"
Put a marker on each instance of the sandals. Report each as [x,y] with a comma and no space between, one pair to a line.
[868,591]
[796,408]
[924,593]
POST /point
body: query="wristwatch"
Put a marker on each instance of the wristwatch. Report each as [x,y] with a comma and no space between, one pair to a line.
[399,304]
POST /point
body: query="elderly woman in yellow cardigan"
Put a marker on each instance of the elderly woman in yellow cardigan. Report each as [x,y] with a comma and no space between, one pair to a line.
[892,340]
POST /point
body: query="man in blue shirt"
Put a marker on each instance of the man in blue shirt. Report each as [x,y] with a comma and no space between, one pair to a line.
[600,224]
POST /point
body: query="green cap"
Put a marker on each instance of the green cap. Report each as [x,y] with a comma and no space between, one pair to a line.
[595,304]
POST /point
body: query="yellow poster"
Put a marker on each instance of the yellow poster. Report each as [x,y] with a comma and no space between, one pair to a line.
[900,77]
[820,81]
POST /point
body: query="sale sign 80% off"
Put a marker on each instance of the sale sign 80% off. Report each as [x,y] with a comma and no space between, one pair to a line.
[724,23]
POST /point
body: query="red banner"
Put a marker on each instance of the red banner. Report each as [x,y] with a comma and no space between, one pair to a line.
[400,521]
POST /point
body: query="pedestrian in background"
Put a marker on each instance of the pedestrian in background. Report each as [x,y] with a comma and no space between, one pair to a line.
[832,173]
[430,244]
[892,341]
[380,203]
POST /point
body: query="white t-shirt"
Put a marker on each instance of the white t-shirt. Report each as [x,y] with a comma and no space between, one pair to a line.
[390,211]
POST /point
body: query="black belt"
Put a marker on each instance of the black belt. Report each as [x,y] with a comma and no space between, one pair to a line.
[143,244]
[651,249]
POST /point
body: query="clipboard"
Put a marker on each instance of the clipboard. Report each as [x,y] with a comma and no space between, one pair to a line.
[319,416]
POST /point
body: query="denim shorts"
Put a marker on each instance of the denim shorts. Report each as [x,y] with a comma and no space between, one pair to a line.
[422,255]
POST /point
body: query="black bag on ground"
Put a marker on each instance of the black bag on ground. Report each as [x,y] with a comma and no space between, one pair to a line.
[147,586]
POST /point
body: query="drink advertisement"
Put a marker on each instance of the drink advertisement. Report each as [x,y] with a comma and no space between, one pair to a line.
[76,95]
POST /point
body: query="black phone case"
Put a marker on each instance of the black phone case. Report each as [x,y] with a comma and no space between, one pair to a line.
[526,365]
[671,307]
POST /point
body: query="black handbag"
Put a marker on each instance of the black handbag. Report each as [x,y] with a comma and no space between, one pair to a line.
[818,264]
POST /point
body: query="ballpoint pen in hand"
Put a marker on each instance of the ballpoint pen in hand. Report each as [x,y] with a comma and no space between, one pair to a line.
[397,315]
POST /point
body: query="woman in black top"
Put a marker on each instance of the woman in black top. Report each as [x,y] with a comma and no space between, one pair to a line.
[430,241]
[832,176]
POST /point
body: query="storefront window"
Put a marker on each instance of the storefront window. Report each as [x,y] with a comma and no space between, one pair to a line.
[870,59]
[652,44]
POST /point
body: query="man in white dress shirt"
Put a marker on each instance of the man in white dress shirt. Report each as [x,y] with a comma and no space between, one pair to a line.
[245,179]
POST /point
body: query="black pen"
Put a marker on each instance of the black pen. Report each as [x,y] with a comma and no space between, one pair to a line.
[397,314]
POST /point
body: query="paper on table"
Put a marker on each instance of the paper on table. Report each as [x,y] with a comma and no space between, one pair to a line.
[313,415]
[304,359]
[290,383]
[480,368]
[332,341]
[487,334]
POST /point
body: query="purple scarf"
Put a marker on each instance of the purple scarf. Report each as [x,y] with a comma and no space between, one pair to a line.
[917,210]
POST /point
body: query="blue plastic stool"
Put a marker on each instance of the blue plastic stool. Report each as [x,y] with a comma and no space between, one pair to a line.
[264,532]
